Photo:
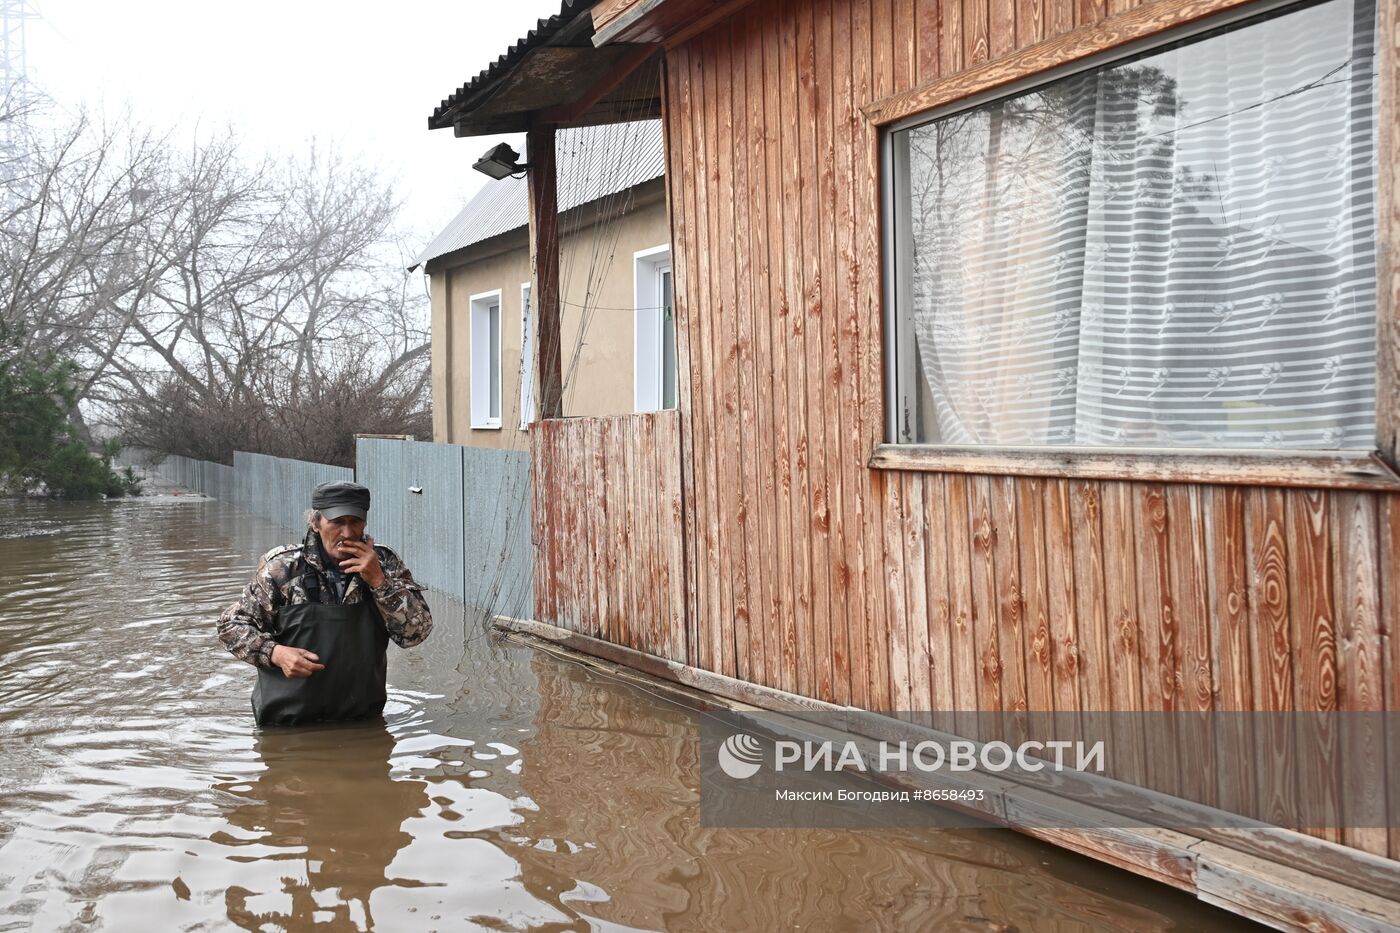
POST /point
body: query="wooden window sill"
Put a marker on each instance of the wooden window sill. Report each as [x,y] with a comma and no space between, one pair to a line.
[1352,469]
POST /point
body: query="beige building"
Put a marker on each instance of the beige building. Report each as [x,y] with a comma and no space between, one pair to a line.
[617,337]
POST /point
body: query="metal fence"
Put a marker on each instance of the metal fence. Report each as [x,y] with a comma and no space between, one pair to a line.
[211,479]
[279,489]
[459,517]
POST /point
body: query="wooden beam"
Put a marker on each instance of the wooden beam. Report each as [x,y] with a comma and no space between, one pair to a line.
[565,114]
[544,260]
[1111,34]
[1334,469]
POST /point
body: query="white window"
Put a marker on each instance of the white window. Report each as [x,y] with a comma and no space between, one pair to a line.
[527,360]
[1174,250]
[486,359]
[655,345]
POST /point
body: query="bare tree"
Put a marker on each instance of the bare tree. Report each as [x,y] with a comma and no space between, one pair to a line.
[214,302]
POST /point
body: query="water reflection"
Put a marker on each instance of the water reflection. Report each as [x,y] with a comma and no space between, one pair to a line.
[328,805]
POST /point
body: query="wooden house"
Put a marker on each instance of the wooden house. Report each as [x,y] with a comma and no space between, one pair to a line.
[1036,354]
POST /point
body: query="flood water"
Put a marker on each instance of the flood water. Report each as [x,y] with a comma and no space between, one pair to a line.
[506,788]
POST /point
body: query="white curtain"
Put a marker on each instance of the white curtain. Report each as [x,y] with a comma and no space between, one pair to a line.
[1177,251]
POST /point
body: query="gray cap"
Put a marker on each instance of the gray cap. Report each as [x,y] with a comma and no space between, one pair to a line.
[334,500]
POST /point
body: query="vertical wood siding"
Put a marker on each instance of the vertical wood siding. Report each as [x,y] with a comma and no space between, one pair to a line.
[815,574]
[606,506]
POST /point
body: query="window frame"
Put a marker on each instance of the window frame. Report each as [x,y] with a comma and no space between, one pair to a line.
[479,323]
[649,327]
[1124,36]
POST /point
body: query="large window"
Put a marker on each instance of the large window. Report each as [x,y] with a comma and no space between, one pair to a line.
[486,359]
[1175,250]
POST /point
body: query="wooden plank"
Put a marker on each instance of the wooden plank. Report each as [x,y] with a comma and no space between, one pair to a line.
[680,185]
[1389,520]
[1160,672]
[826,328]
[985,623]
[950,46]
[1090,12]
[784,665]
[715,625]
[729,314]
[963,633]
[1059,17]
[816,517]
[616,577]
[1360,690]
[704,552]
[979,75]
[1035,593]
[1283,896]
[1089,592]
[1313,626]
[1227,589]
[1010,584]
[906,44]
[895,610]
[1001,27]
[916,602]
[976,43]
[1271,655]
[1120,610]
[676,577]
[939,586]
[1061,601]
[876,80]
[1030,22]
[759,533]
[928,17]
[719,123]
[850,580]
[1194,687]
[590,548]
[1341,470]
[793,319]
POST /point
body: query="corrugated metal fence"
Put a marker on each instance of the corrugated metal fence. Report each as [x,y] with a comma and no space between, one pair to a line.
[211,479]
[459,517]
[279,489]
[465,532]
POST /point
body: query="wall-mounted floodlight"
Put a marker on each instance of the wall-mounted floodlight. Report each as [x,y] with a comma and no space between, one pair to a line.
[500,160]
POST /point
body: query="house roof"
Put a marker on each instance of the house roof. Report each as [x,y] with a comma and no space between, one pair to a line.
[592,162]
[563,29]
[555,75]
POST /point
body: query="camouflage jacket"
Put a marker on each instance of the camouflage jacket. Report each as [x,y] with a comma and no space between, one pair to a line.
[245,627]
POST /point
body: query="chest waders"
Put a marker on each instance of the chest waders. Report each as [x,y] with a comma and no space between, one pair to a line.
[351,641]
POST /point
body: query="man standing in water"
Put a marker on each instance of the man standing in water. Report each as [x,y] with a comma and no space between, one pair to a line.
[317,617]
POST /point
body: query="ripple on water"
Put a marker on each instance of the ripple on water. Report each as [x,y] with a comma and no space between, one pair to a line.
[504,789]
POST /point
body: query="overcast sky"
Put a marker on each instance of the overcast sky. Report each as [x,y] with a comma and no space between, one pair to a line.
[363,75]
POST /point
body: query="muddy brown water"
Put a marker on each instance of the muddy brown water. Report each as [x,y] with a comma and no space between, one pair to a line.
[506,788]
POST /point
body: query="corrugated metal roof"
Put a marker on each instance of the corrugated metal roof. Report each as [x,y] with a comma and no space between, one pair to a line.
[592,162]
[545,31]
